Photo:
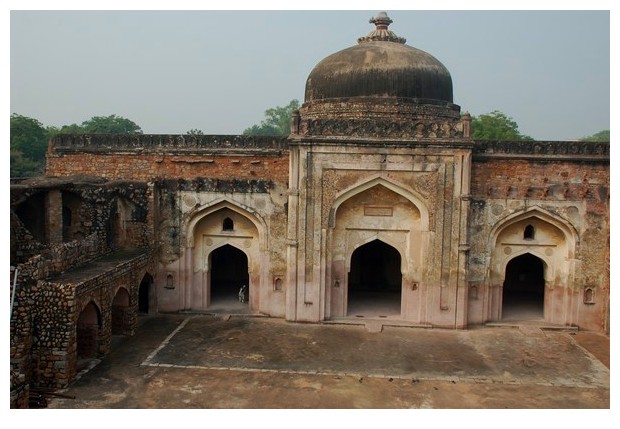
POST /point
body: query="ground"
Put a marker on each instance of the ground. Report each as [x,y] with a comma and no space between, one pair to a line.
[217,361]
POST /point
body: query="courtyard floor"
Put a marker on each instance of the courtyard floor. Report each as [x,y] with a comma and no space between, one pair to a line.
[217,361]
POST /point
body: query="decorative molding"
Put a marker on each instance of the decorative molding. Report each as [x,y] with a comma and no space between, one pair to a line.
[417,129]
[167,143]
[483,149]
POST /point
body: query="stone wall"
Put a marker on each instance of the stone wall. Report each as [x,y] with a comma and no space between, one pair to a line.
[47,307]
[23,244]
[32,299]
[63,210]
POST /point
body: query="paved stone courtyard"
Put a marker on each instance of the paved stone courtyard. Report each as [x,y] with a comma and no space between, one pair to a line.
[202,361]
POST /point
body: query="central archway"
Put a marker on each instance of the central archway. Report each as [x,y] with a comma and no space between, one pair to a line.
[523,295]
[229,273]
[375,281]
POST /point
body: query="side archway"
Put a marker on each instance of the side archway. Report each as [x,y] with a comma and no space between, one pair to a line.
[121,312]
[229,285]
[531,267]
[228,252]
[88,331]
[145,294]
[523,295]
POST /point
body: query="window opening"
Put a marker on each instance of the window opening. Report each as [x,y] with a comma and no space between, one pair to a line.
[228,224]
[528,233]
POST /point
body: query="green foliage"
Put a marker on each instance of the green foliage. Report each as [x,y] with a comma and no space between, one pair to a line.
[103,125]
[496,126]
[24,167]
[277,121]
[28,144]
[28,136]
[29,139]
[601,136]
[52,131]
[194,132]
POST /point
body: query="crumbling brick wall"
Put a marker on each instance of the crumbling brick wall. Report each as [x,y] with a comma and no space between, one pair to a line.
[569,180]
[144,157]
[95,210]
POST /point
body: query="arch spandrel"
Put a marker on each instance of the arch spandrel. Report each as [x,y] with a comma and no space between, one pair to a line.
[569,231]
[412,196]
[200,213]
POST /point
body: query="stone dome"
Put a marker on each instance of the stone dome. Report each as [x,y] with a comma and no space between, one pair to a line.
[381,65]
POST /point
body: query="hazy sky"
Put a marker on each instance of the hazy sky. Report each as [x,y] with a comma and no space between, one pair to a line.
[218,71]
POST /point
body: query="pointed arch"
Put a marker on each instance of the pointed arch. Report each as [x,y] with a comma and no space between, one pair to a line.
[229,274]
[199,213]
[416,199]
[554,244]
[549,271]
[145,293]
[120,312]
[524,287]
[234,245]
[384,240]
[374,281]
[88,326]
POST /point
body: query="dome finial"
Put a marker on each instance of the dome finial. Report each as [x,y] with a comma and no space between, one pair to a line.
[381,32]
[382,21]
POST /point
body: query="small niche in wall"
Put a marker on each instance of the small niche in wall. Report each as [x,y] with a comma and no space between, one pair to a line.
[169,281]
[588,295]
[277,283]
[473,292]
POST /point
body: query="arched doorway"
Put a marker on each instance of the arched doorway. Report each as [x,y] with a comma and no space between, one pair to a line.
[120,312]
[144,294]
[523,296]
[375,281]
[32,214]
[72,222]
[88,325]
[229,273]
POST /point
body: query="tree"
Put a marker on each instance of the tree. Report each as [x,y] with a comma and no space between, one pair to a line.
[28,137]
[22,166]
[496,126]
[103,125]
[28,144]
[277,121]
[194,132]
[601,136]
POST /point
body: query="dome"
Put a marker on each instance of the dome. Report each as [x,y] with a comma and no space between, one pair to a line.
[381,65]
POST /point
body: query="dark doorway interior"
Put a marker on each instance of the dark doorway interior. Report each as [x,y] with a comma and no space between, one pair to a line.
[121,314]
[229,272]
[524,289]
[374,288]
[32,214]
[144,294]
[88,325]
